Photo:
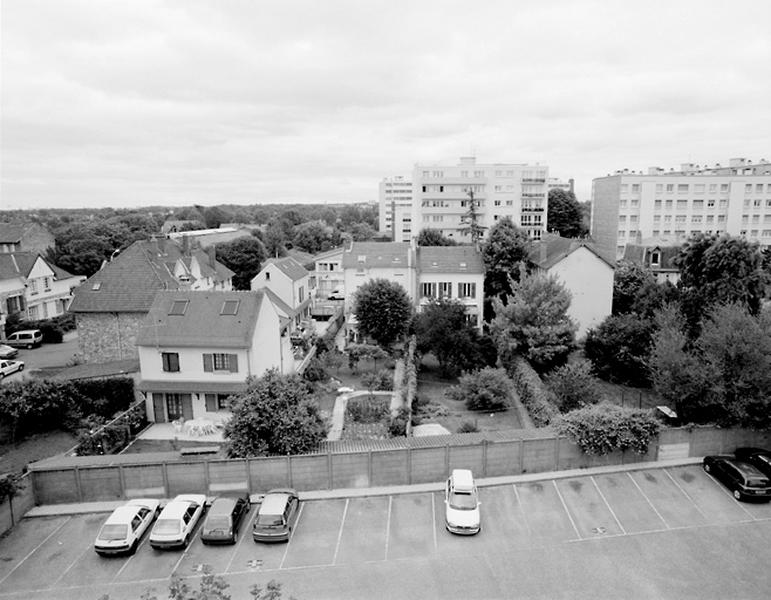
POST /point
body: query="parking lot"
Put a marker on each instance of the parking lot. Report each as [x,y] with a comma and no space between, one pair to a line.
[658,533]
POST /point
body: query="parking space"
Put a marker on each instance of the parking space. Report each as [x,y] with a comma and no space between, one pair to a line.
[551,517]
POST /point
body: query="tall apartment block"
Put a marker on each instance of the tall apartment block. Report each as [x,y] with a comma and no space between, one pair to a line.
[628,206]
[441,196]
[396,208]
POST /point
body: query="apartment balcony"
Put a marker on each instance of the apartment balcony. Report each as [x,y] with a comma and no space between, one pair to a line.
[532,195]
[533,180]
[532,209]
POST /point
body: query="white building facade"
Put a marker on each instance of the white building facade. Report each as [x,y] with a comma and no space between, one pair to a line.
[395,208]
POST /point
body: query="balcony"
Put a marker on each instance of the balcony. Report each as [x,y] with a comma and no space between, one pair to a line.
[533,195]
[532,209]
[533,180]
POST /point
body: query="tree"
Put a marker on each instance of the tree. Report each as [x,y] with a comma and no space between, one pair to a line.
[472,227]
[628,280]
[361,232]
[487,389]
[214,216]
[315,236]
[434,237]
[534,323]
[356,352]
[383,310]
[574,385]
[618,349]
[564,214]
[275,415]
[274,240]
[244,256]
[504,252]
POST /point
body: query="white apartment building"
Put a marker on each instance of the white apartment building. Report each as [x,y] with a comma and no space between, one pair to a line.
[628,206]
[395,195]
[555,183]
[441,196]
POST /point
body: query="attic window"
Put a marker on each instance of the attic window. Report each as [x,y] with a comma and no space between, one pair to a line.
[361,258]
[184,277]
[230,307]
[96,286]
[396,259]
[462,265]
[434,263]
[178,307]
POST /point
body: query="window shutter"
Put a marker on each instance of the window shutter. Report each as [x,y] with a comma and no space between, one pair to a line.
[208,363]
[211,402]
[233,362]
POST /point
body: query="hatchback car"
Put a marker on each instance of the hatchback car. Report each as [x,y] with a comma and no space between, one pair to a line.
[7,351]
[224,519]
[29,338]
[757,457]
[461,503]
[177,521]
[123,529]
[744,480]
[276,516]
[9,367]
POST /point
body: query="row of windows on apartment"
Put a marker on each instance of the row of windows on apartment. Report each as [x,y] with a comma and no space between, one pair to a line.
[211,362]
[754,233]
[698,188]
[331,266]
[539,174]
[633,219]
[443,289]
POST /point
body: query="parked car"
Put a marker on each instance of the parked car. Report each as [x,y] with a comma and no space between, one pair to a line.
[276,516]
[9,367]
[461,503]
[757,457]
[177,521]
[7,351]
[337,294]
[744,480]
[123,529]
[29,338]
[224,519]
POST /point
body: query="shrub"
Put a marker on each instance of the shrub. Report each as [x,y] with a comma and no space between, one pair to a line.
[315,371]
[468,427]
[574,386]
[398,425]
[366,410]
[619,348]
[487,389]
[536,399]
[605,428]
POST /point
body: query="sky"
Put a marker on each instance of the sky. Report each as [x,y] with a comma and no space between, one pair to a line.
[129,103]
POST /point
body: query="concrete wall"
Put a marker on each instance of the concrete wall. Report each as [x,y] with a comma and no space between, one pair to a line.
[103,337]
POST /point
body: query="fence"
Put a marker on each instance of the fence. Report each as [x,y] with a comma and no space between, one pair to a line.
[82,479]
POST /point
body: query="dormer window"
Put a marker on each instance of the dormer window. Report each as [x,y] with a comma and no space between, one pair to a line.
[361,258]
[230,307]
[463,265]
[184,278]
[178,307]
[96,286]
[655,258]
[267,275]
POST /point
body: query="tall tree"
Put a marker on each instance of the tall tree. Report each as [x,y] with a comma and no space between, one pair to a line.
[534,323]
[628,280]
[383,310]
[564,214]
[618,348]
[470,220]
[315,236]
[244,256]
[504,252]
[434,237]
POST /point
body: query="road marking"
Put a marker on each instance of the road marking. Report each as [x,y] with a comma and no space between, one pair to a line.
[686,494]
[291,535]
[388,525]
[247,531]
[615,518]
[130,558]
[522,510]
[731,496]
[31,552]
[340,533]
[565,506]
[72,564]
[433,518]
[648,500]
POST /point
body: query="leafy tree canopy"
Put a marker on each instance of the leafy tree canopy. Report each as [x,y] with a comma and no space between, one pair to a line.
[434,237]
[564,214]
[383,310]
[636,291]
[618,348]
[574,385]
[470,220]
[244,256]
[487,389]
[315,236]
[504,251]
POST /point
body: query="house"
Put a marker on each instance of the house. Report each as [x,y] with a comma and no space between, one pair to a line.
[208,238]
[110,306]
[25,237]
[197,348]
[289,281]
[585,271]
[365,261]
[329,273]
[656,255]
[33,288]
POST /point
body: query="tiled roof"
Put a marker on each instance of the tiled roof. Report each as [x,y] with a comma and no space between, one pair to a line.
[289,267]
[206,387]
[202,324]
[377,254]
[130,281]
[99,370]
[553,248]
[10,233]
[640,254]
[328,254]
[450,259]
[19,264]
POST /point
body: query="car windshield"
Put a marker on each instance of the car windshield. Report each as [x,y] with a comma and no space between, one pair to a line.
[218,522]
[270,520]
[166,526]
[463,501]
[113,532]
[757,482]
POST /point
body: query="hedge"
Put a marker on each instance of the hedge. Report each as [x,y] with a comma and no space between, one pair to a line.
[531,391]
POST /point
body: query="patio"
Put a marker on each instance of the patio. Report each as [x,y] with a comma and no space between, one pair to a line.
[168,431]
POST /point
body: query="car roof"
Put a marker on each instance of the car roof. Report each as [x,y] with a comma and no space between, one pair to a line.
[122,515]
[745,468]
[222,506]
[175,509]
[274,503]
[32,331]
[462,479]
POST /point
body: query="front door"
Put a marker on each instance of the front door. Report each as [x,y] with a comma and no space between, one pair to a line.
[174,406]
[159,413]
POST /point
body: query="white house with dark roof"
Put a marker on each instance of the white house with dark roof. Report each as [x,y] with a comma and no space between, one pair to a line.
[289,281]
[365,261]
[197,348]
[329,273]
[585,270]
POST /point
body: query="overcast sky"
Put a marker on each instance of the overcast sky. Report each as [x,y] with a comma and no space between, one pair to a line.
[133,102]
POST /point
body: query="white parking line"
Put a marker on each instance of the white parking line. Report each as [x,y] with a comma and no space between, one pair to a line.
[565,506]
[72,564]
[615,518]
[648,500]
[433,518]
[31,552]
[730,495]
[388,526]
[246,531]
[340,533]
[130,558]
[686,494]
[521,510]
[291,535]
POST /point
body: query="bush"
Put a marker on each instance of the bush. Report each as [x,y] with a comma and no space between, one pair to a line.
[398,425]
[366,410]
[605,428]
[468,427]
[536,399]
[487,389]
[619,348]
[574,386]
[315,371]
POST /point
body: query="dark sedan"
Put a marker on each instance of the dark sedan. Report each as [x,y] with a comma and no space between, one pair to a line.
[224,519]
[744,480]
[757,457]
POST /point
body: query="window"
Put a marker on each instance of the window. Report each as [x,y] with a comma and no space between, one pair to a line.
[33,286]
[216,402]
[656,218]
[667,218]
[47,284]
[479,174]
[756,203]
[670,188]
[220,362]
[696,219]
[635,202]
[680,219]
[657,204]
[445,289]
[229,307]
[499,173]
[712,188]
[668,205]
[624,188]
[659,188]
[747,188]
[633,218]
[655,258]
[711,203]
[656,232]
[682,188]
[170,361]
[621,233]
[721,218]
[682,205]
[699,188]
[467,290]
[622,218]
[622,204]
[722,203]
[178,307]
[724,188]
[698,204]
[428,290]
[710,218]
[635,188]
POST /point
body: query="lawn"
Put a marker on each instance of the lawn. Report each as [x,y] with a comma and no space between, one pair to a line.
[37,447]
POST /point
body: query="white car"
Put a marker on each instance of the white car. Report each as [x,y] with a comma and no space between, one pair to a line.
[9,367]
[462,503]
[177,521]
[123,529]
[7,351]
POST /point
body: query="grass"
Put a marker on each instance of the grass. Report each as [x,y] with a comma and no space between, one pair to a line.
[14,458]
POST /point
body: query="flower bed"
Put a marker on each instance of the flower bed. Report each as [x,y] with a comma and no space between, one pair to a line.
[367,418]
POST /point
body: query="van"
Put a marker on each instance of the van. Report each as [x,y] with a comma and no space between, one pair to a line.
[29,338]
[276,516]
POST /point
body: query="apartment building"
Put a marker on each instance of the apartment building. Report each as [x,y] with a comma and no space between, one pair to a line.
[735,199]
[395,195]
[441,196]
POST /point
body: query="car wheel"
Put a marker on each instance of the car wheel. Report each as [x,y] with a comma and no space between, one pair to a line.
[707,468]
[737,494]
[133,549]
[235,537]
[187,541]
[21,367]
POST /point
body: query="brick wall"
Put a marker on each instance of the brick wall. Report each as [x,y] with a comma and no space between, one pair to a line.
[104,337]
